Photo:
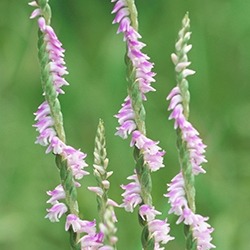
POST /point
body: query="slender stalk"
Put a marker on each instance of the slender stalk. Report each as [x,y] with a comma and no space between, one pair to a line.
[148,155]
[51,97]
[142,170]
[184,154]
[105,205]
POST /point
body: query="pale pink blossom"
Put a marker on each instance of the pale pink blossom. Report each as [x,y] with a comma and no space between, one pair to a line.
[91,242]
[80,226]
[148,212]
[179,206]
[140,61]
[126,119]
[56,212]
[57,194]
[131,196]
[153,154]
[159,230]
[189,134]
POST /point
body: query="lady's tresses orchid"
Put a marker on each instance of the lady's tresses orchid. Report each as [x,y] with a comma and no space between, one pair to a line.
[71,162]
[181,192]
[131,118]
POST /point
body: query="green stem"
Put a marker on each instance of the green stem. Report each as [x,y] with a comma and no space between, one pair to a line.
[188,177]
[70,196]
[106,211]
[67,179]
[133,13]
[142,170]
[184,152]
[186,168]
[100,160]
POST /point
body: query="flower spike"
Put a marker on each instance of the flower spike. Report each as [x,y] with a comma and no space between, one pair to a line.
[181,191]
[131,118]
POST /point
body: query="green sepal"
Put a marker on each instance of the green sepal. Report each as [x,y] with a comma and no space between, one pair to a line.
[59,162]
[145,179]
[139,163]
[146,184]
[191,244]
[133,14]
[73,240]
[142,222]
[68,180]
[147,241]
[46,10]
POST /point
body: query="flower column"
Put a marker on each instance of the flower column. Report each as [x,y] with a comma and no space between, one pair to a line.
[49,124]
[181,191]
[147,154]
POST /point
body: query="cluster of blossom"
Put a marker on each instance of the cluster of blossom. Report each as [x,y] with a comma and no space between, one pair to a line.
[190,136]
[159,229]
[44,121]
[179,206]
[91,239]
[48,137]
[144,77]
[152,153]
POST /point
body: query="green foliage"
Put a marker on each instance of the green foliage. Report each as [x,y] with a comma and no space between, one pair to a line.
[94,55]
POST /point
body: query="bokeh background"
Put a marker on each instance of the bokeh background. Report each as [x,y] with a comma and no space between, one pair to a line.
[220,108]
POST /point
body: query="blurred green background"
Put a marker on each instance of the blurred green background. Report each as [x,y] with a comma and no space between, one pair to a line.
[95,59]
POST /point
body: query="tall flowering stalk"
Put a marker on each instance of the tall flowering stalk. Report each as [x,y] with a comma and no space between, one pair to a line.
[131,118]
[105,205]
[181,191]
[49,124]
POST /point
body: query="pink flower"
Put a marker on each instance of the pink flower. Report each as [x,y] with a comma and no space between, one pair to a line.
[56,194]
[56,54]
[44,124]
[140,61]
[79,225]
[189,134]
[202,233]
[148,213]
[179,206]
[75,159]
[159,229]
[99,191]
[56,146]
[142,66]
[106,248]
[91,242]
[176,195]
[126,119]
[160,232]
[56,212]
[153,154]
[131,196]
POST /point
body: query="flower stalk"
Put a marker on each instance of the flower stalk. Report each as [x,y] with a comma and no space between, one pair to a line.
[148,155]
[181,191]
[105,205]
[49,124]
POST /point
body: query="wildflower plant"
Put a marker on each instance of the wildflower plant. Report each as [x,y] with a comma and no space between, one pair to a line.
[105,204]
[181,191]
[148,155]
[49,123]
